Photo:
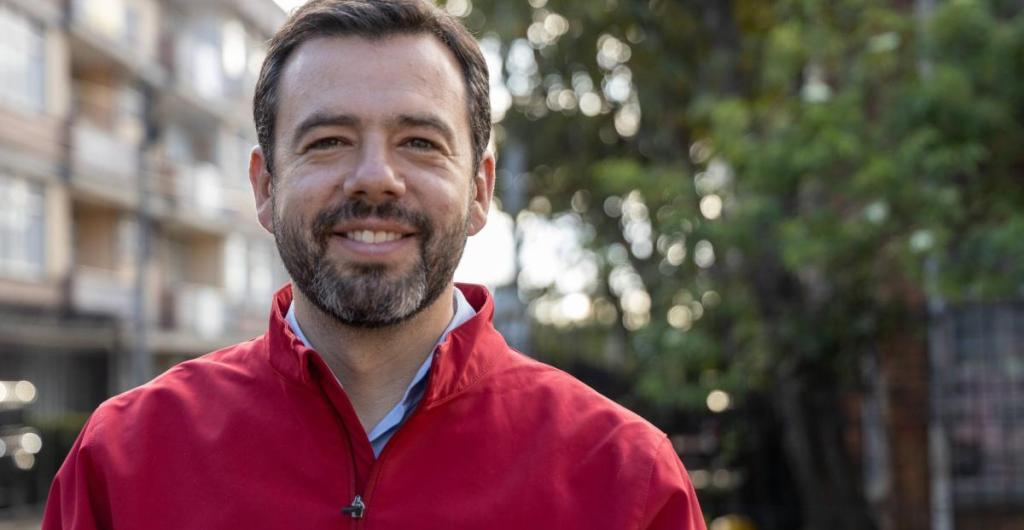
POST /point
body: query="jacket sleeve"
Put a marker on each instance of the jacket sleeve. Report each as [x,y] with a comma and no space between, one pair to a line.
[73,495]
[671,502]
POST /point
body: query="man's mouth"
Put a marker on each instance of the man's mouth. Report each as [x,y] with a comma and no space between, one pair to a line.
[371,236]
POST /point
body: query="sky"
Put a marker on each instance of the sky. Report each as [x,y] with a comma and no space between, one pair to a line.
[288,5]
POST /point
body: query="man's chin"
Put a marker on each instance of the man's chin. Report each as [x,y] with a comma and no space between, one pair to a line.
[374,270]
[368,296]
[371,322]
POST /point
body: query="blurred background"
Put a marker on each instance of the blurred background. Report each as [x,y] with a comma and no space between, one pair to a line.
[790,233]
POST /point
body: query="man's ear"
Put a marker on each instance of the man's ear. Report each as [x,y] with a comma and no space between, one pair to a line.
[483,192]
[262,188]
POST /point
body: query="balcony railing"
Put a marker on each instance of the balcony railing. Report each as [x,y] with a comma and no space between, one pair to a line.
[98,153]
[194,309]
[105,291]
[127,23]
[200,188]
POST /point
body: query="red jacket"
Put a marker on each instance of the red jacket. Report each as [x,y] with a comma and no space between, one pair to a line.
[260,435]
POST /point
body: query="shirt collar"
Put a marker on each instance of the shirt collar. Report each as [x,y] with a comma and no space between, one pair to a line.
[385,428]
[455,367]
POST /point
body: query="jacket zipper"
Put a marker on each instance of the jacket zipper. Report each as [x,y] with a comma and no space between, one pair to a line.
[357,509]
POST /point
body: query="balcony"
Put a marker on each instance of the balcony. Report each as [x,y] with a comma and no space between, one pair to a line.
[29,293]
[199,190]
[102,291]
[192,320]
[198,310]
[239,201]
[47,11]
[30,142]
[194,199]
[212,61]
[104,165]
[117,33]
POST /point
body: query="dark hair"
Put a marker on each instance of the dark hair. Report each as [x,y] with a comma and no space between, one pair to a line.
[372,19]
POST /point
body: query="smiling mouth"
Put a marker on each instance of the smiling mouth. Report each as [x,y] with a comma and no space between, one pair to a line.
[370,236]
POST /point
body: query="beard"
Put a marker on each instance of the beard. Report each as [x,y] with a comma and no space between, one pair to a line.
[369,295]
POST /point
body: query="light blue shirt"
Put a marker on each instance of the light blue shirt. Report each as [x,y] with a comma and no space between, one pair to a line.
[394,419]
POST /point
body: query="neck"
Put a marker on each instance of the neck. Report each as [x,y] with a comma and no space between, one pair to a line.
[374,366]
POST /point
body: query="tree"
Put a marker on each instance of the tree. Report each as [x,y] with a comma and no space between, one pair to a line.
[769,190]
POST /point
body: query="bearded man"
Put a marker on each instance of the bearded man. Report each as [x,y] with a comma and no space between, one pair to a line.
[380,396]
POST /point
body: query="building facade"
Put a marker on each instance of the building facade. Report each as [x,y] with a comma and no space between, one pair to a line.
[128,237]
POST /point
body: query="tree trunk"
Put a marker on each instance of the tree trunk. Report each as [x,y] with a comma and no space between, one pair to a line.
[830,489]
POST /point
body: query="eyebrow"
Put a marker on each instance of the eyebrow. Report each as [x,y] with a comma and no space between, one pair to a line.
[327,119]
[321,119]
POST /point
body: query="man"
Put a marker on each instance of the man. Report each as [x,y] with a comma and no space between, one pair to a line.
[381,396]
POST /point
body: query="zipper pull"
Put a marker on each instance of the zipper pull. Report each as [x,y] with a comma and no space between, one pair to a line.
[356,509]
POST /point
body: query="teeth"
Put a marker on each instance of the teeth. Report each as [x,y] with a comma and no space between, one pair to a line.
[368,236]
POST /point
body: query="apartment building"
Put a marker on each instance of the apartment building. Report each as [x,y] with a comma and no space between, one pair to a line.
[128,239]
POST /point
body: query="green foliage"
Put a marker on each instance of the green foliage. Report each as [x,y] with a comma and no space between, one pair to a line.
[864,158]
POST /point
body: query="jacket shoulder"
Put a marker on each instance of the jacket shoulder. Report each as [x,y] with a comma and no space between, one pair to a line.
[598,439]
[554,403]
[179,395]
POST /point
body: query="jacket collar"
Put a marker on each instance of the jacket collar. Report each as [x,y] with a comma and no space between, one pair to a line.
[459,361]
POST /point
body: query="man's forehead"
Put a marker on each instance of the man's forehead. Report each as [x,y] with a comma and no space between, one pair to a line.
[332,71]
[334,59]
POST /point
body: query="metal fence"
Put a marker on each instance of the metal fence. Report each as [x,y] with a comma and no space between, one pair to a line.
[977,438]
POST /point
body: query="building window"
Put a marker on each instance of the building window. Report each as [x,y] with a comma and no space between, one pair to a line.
[109,18]
[249,269]
[131,35]
[21,228]
[261,270]
[233,153]
[22,62]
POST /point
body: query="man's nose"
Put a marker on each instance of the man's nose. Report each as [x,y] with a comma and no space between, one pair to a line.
[374,178]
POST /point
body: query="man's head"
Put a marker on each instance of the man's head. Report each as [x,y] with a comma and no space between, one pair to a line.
[372,20]
[372,168]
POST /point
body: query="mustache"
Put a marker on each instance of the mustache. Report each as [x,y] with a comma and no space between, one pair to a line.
[325,221]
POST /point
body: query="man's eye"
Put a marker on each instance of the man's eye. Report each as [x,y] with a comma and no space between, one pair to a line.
[421,143]
[325,143]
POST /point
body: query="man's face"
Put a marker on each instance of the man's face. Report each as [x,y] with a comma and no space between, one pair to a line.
[373,191]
